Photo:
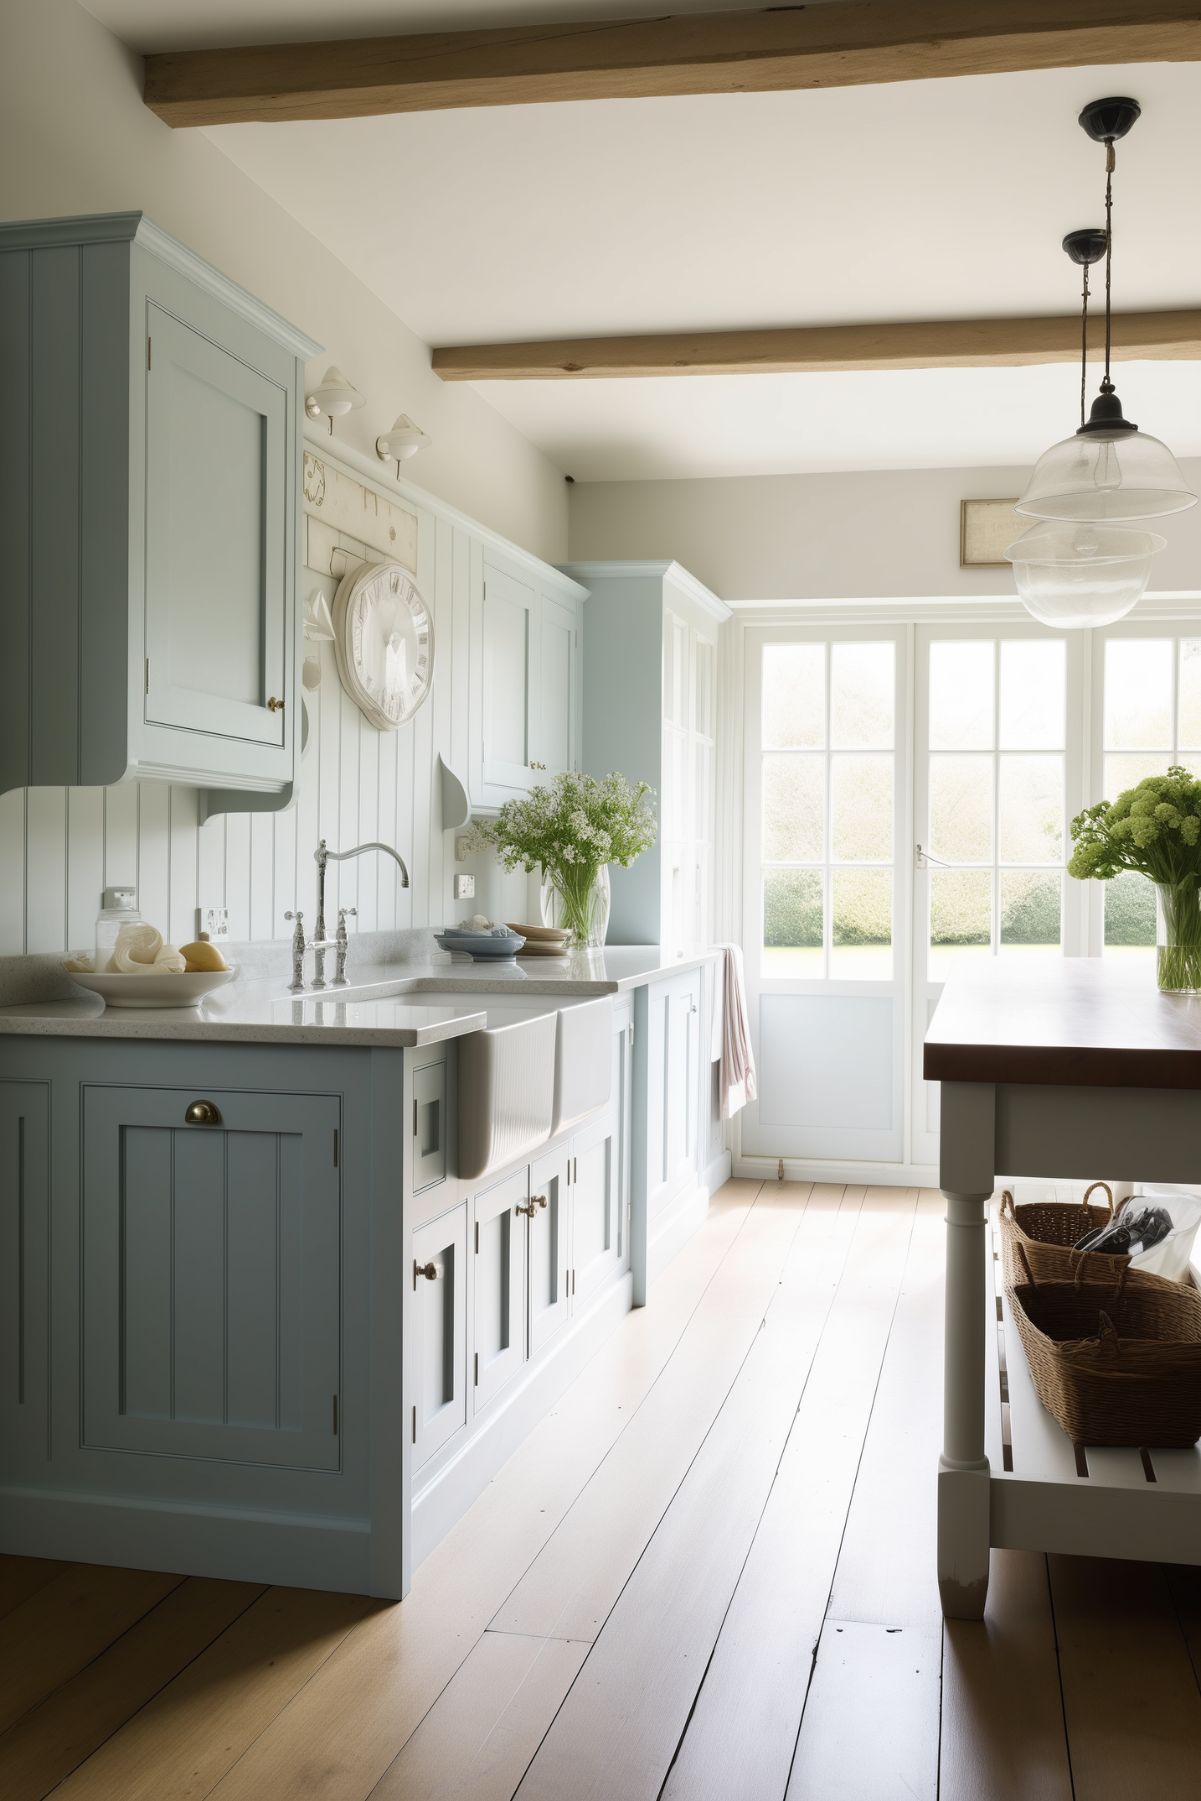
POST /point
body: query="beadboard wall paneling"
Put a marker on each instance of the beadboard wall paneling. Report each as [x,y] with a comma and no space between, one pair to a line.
[59,847]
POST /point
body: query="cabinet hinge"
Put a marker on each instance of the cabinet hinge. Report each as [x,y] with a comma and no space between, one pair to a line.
[573,1282]
[477,1369]
[335,1147]
[414,1116]
[147,675]
[149,352]
[780,1170]
[334,1400]
[477,1237]
[414,1425]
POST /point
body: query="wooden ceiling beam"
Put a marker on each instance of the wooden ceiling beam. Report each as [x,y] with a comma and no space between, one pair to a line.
[807,349]
[842,45]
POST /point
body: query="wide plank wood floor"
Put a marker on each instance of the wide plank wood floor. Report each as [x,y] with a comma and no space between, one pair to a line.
[708,1575]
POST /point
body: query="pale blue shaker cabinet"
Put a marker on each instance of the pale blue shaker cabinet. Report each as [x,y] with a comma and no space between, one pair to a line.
[148,489]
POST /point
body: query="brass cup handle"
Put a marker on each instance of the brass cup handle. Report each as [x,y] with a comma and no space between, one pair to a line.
[275,705]
[428,1270]
[202,1113]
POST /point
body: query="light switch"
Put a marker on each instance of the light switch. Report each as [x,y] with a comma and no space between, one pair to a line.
[464,887]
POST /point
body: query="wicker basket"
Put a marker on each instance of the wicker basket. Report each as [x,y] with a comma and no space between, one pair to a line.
[1047,1232]
[1118,1370]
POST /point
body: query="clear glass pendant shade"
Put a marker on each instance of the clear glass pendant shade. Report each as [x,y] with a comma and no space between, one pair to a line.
[1110,479]
[1073,574]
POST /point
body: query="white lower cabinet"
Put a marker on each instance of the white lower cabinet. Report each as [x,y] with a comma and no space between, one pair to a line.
[598,1226]
[438,1380]
[673,1112]
[548,1240]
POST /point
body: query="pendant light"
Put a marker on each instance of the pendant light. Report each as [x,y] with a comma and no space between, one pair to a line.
[1072,573]
[1109,471]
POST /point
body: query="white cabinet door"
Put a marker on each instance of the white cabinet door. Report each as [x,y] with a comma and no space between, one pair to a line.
[508,648]
[438,1341]
[558,723]
[498,1321]
[216,554]
[598,1227]
[672,1109]
[549,1234]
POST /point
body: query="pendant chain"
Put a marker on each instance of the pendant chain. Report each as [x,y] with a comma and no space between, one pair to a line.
[1110,161]
[1084,346]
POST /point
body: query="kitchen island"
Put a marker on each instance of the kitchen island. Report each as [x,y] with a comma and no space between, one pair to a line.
[1072,1069]
[263,1320]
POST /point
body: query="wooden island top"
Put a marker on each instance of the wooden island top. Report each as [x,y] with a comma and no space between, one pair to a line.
[1072,1021]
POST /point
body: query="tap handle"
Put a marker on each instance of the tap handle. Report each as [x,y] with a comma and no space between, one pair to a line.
[298,931]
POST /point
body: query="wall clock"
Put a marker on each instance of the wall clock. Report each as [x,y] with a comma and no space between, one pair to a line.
[383,642]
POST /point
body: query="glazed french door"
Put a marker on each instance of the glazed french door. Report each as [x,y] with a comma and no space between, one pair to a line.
[826,902]
[1000,762]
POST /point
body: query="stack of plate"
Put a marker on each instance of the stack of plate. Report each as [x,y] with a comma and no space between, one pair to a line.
[542,941]
[483,946]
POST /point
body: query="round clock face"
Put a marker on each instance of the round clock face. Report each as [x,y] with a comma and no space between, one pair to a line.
[384,642]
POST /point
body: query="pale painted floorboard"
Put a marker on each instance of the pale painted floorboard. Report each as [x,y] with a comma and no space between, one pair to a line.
[873,1712]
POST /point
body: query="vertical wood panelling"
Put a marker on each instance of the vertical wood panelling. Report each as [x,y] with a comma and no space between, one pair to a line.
[59,848]
[251,1281]
[54,514]
[198,1205]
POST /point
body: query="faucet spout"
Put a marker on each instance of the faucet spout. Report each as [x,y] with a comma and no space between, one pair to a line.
[323,855]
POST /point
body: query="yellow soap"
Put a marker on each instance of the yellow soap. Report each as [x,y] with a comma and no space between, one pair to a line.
[202,956]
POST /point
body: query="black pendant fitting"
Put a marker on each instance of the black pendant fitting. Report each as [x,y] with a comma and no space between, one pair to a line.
[1107,121]
[1087,246]
[1105,417]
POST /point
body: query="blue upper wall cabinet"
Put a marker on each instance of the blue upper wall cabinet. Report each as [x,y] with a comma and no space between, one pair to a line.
[148,506]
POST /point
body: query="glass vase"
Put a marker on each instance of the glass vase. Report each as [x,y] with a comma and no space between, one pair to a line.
[577,901]
[1178,935]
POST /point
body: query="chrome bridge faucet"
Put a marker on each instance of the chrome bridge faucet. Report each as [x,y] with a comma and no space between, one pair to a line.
[340,943]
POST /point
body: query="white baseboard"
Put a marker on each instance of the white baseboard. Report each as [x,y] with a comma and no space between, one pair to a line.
[717,1173]
[296,1551]
[859,1175]
[673,1228]
[448,1493]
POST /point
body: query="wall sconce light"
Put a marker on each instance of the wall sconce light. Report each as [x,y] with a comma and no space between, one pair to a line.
[318,628]
[332,397]
[403,441]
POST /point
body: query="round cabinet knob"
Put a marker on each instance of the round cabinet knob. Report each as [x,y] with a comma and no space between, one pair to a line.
[428,1270]
[539,1200]
[274,705]
[201,1113]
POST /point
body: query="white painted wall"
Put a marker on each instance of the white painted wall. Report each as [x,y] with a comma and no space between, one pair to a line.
[77,139]
[854,536]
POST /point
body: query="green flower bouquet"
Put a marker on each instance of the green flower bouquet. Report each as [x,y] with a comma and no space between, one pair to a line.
[571,830]
[1153,829]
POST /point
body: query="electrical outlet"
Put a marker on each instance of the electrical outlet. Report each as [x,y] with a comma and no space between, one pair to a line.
[212,923]
[464,887]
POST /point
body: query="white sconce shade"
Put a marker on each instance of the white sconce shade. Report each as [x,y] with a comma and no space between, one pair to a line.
[333,397]
[1072,574]
[1117,479]
[403,441]
[317,620]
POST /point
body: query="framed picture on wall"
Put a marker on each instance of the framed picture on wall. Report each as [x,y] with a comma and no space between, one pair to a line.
[985,528]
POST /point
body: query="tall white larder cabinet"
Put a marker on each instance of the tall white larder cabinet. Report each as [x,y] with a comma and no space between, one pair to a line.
[651,634]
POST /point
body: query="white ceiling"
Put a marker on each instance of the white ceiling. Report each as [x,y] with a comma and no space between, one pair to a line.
[922,200]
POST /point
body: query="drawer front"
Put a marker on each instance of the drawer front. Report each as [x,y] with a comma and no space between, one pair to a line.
[439,1337]
[212,1278]
[429,1126]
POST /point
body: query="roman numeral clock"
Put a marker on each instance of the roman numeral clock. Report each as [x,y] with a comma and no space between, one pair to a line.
[383,642]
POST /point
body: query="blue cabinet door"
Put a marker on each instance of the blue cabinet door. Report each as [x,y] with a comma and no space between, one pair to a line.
[216,547]
[211,1276]
[24,1269]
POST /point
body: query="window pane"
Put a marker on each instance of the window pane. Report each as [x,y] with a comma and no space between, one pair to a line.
[1126,772]
[862,927]
[792,922]
[960,919]
[861,696]
[1129,913]
[1032,694]
[794,808]
[1031,908]
[1188,716]
[961,696]
[1031,809]
[794,696]
[1138,693]
[861,800]
[961,808]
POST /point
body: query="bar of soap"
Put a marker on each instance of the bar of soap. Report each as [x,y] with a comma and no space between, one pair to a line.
[202,956]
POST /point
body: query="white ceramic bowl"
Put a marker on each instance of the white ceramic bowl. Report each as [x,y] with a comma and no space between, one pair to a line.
[160,989]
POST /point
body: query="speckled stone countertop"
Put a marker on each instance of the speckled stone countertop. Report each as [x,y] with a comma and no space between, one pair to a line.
[383,1004]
